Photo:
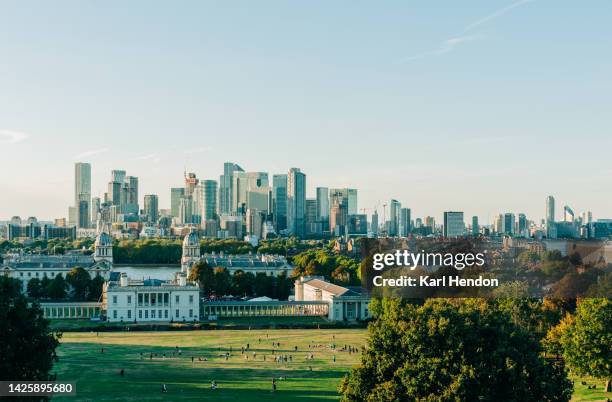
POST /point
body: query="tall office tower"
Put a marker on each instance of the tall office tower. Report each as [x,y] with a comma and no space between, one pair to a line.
[374,224]
[82,193]
[394,217]
[508,223]
[357,225]
[322,203]
[279,202]
[499,224]
[338,217]
[209,200]
[118,176]
[475,226]
[96,205]
[114,193]
[191,181]
[312,225]
[130,188]
[185,211]
[405,221]
[351,194]
[242,184]
[568,214]
[587,217]
[151,207]
[176,193]
[296,201]
[226,187]
[550,208]
[522,225]
[430,222]
[453,224]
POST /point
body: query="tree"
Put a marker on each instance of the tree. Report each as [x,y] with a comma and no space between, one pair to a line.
[587,341]
[446,350]
[27,350]
[34,288]
[95,288]
[79,279]
[202,273]
[57,288]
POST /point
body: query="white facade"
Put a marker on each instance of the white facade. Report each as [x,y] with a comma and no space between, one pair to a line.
[152,300]
[344,303]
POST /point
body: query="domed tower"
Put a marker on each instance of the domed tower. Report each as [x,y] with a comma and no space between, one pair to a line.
[103,248]
[191,251]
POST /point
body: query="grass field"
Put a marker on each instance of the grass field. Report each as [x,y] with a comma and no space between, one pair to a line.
[97,374]
[98,378]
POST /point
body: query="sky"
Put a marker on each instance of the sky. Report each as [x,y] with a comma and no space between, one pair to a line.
[476,106]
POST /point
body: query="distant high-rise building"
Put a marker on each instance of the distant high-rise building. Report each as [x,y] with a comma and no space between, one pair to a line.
[405,221]
[82,194]
[475,226]
[522,225]
[322,203]
[209,197]
[296,201]
[176,193]
[131,195]
[191,181]
[374,223]
[312,225]
[454,225]
[394,217]
[279,202]
[550,208]
[508,223]
[96,205]
[568,214]
[338,217]
[352,201]
[185,210]
[357,225]
[114,193]
[118,176]
[226,181]
[151,207]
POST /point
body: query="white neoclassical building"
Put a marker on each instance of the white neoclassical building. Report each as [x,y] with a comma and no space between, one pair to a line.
[345,303]
[150,300]
[28,266]
[191,251]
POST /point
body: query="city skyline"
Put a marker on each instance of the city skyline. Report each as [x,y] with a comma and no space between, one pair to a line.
[471,108]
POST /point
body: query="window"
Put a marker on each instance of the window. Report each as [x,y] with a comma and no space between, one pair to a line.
[146,299]
[165,313]
[153,299]
[129,299]
[21,274]
[140,299]
[166,299]
[146,314]
[114,299]
[139,313]
[37,274]
[190,299]
[190,313]
[115,314]
[177,299]
[129,313]
[152,313]
[176,313]
[29,274]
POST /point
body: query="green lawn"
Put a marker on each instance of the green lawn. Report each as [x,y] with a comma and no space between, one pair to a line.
[97,374]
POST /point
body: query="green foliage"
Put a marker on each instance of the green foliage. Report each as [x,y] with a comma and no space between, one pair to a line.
[218,282]
[27,350]
[78,278]
[587,341]
[321,262]
[57,288]
[445,350]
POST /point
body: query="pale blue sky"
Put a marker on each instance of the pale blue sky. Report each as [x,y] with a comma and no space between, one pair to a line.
[480,106]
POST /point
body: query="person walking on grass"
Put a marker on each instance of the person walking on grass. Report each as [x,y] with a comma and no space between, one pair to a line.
[273,384]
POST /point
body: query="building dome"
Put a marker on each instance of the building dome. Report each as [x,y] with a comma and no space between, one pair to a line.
[191,240]
[103,239]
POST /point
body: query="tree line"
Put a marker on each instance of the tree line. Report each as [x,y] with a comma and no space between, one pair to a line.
[78,285]
[218,282]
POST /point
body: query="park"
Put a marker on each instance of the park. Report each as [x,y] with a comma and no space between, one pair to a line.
[94,361]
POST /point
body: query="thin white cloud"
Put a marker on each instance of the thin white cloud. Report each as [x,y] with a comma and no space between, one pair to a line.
[447,46]
[198,150]
[12,137]
[496,14]
[145,157]
[92,152]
